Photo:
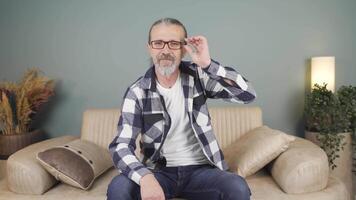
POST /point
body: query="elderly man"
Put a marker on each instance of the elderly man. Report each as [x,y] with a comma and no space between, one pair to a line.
[180,156]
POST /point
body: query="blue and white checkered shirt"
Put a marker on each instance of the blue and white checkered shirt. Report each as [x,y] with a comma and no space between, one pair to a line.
[144,112]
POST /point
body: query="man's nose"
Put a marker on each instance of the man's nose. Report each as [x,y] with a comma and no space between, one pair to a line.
[166,55]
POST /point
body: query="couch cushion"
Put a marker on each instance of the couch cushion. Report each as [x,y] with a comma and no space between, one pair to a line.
[100,126]
[255,149]
[76,163]
[262,186]
[25,175]
[308,171]
[230,123]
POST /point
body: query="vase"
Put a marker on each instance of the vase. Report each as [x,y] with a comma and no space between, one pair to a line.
[9,144]
[343,171]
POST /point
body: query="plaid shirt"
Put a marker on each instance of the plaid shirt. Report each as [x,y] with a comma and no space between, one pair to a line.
[144,112]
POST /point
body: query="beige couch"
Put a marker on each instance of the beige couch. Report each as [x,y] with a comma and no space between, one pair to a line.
[295,174]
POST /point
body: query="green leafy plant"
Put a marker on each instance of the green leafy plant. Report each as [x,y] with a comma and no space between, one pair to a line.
[347,97]
[19,102]
[325,114]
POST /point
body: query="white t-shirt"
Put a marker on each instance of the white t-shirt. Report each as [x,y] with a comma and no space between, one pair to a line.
[181,147]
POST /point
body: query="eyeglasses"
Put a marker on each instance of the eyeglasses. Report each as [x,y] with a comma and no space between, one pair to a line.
[173,45]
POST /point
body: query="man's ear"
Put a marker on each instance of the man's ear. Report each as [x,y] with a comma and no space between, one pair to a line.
[184,52]
[148,48]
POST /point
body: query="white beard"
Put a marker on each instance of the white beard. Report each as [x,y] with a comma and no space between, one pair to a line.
[166,70]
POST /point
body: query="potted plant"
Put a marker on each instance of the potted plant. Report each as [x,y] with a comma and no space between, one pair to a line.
[326,121]
[19,104]
[328,125]
[347,97]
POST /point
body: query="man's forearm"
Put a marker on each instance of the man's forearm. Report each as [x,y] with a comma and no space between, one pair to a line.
[125,160]
[226,83]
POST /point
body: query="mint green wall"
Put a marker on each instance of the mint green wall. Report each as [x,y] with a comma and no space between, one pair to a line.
[95,49]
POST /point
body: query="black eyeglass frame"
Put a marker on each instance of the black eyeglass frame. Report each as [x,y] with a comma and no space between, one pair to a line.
[168,44]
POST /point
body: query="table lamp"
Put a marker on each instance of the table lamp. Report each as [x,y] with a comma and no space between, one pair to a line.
[323,71]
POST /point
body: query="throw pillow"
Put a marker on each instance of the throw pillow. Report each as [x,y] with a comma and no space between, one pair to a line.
[255,149]
[77,163]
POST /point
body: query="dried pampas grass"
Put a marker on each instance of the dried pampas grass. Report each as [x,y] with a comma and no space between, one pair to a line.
[20,102]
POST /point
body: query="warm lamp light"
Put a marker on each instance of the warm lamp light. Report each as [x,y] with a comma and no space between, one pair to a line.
[323,71]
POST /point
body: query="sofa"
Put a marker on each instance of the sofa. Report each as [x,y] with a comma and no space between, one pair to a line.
[299,172]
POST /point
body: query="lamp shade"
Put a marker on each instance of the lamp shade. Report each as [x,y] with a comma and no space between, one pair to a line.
[323,71]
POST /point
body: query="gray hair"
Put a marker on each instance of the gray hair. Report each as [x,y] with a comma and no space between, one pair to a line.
[167,21]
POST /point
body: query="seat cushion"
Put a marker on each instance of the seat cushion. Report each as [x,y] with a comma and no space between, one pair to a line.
[262,186]
[66,192]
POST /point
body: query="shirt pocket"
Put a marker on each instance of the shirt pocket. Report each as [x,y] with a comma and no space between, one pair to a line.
[152,118]
[153,124]
[201,116]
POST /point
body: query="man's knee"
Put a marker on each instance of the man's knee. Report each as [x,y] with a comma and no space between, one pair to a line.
[123,188]
[235,187]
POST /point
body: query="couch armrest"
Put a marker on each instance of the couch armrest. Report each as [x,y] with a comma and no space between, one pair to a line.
[302,168]
[24,173]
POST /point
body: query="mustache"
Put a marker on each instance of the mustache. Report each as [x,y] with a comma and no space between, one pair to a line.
[164,56]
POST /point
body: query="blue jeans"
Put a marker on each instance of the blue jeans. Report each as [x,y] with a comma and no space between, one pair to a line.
[190,182]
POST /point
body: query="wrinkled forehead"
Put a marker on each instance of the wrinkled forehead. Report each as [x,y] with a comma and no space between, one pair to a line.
[167,32]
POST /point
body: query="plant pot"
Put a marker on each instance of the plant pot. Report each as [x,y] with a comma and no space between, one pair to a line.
[9,144]
[343,171]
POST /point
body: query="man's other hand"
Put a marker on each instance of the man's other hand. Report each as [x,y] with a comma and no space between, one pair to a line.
[150,188]
[197,48]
